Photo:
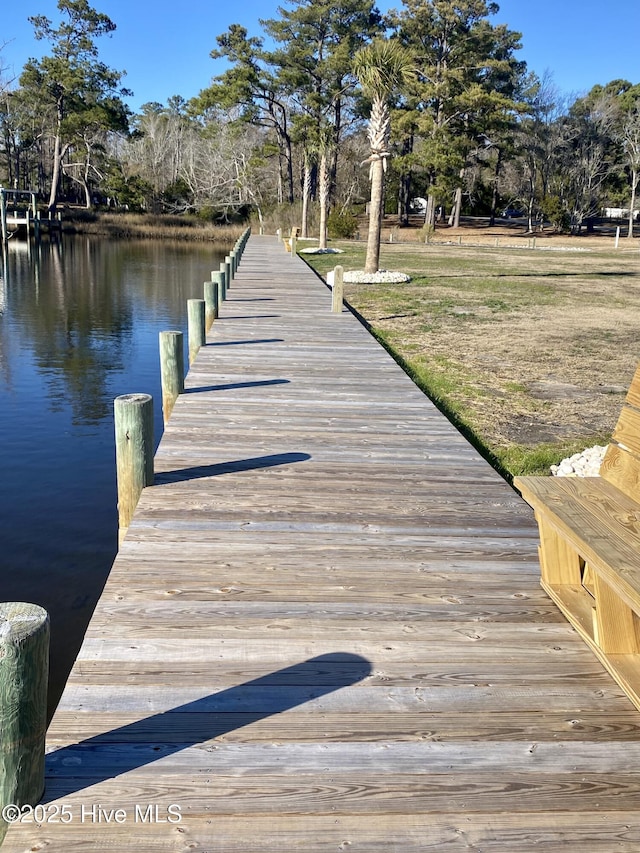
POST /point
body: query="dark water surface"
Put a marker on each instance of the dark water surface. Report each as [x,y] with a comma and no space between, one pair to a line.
[79,325]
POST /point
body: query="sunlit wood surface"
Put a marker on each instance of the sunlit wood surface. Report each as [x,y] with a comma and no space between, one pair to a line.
[324,630]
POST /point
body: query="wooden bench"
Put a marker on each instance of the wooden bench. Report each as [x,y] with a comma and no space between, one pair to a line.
[590,548]
[295,233]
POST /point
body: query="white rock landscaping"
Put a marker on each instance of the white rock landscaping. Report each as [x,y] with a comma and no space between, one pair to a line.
[380,277]
[585,464]
[316,251]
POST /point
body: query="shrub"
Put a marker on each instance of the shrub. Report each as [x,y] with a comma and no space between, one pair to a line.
[554,211]
[341,225]
[208,213]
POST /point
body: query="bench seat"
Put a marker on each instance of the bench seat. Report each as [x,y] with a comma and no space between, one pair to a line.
[590,548]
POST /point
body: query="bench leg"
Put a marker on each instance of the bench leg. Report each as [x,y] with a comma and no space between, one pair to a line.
[559,563]
[615,622]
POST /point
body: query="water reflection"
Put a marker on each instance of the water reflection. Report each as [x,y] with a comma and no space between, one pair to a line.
[79,324]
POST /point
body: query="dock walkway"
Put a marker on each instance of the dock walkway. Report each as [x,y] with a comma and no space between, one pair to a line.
[324,630]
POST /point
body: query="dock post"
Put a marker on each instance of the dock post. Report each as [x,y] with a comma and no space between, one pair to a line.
[133,415]
[24,669]
[337,290]
[196,326]
[171,370]
[3,214]
[228,272]
[223,272]
[218,279]
[210,303]
[294,247]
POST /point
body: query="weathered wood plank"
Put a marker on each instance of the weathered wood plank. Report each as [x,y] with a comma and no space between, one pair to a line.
[428,672]
[455,832]
[353,794]
[291,760]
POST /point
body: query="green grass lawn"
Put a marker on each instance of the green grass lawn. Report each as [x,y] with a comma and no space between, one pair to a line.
[528,352]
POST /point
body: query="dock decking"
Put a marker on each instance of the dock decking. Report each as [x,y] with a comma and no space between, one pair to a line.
[324,630]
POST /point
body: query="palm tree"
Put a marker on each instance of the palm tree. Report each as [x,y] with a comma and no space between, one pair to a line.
[324,184]
[381,67]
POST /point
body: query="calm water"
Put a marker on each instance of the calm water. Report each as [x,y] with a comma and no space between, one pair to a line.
[79,324]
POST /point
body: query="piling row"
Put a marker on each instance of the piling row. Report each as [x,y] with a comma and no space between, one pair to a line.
[24,627]
[134,456]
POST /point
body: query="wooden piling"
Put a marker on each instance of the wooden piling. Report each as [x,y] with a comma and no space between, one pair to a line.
[24,669]
[337,290]
[196,326]
[218,279]
[171,370]
[223,273]
[228,272]
[134,452]
[294,249]
[3,215]
[210,303]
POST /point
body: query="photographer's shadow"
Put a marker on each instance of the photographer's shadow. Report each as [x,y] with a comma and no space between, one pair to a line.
[73,768]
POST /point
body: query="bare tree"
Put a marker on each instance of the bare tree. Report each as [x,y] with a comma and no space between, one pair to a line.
[5,77]
[157,145]
[630,139]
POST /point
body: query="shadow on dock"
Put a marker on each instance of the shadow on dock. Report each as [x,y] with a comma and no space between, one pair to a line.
[215,470]
[108,755]
[231,386]
[253,317]
[249,341]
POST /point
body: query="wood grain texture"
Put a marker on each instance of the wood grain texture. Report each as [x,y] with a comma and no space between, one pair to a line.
[622,469]
[627,430]
[600,522]
[24,668]
[633,395]
[324,630]
[615,621]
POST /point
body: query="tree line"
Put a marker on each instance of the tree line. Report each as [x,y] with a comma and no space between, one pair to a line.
[428,101]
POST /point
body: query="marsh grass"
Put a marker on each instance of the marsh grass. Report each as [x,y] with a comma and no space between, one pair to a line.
[149,226]
[528,352]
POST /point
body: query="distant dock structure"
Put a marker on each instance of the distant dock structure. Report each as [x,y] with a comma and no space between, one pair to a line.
[19,211]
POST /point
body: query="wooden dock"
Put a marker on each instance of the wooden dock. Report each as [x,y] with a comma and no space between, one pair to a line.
[324,630]
[18,212]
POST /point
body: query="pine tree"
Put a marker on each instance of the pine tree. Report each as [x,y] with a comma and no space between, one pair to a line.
[251,84]
[467,82]
[71,86]
[316,41]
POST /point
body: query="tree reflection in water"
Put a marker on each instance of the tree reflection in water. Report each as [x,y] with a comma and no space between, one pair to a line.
[79,324]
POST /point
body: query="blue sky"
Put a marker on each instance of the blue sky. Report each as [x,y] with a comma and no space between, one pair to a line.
[164,47]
